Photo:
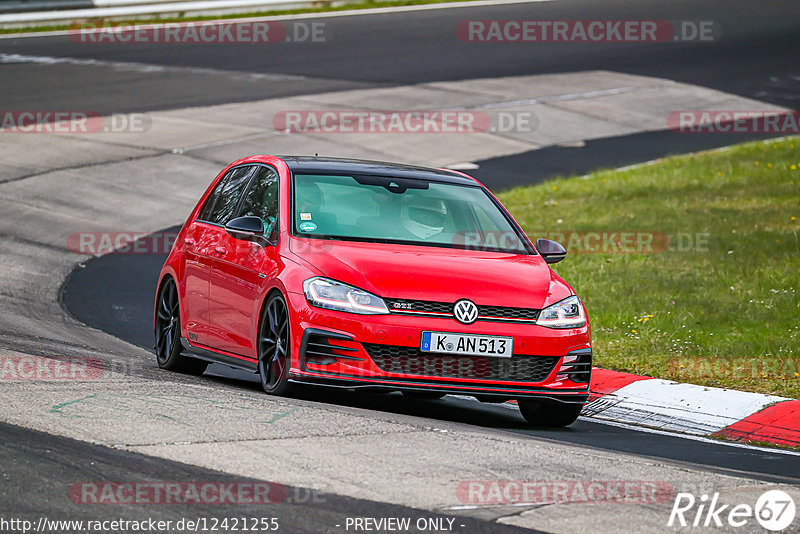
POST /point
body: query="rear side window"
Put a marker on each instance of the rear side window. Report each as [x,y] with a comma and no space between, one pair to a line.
[221,204]
[262,198]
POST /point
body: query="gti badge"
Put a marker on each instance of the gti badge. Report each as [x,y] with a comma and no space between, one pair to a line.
[465,311]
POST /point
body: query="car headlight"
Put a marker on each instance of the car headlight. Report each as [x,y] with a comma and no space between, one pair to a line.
[567,313]
[333,295]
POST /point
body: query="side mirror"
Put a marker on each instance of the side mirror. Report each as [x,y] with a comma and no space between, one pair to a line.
[249,227]
[551,251]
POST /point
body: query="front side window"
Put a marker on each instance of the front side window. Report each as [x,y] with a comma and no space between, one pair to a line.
[221,203]
[401,210]
[262,199]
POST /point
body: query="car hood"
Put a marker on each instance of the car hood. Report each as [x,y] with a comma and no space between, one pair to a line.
[436,274]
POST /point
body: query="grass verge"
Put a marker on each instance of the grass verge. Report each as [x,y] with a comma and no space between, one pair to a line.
[720,306]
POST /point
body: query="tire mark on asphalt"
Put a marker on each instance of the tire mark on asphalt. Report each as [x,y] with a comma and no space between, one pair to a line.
[85,166]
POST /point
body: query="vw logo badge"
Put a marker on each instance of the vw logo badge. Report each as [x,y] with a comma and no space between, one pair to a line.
[465,311]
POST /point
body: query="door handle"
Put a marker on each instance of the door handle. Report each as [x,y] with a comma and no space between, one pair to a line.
[188,242]
[220,250]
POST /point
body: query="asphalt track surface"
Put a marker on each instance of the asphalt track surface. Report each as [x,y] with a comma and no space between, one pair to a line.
[115,293]
[751,58]
[58,462]
[606,153]
[755,58]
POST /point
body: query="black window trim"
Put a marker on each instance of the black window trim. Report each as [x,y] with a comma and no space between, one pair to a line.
[237,212]
[240,203]
[529,248]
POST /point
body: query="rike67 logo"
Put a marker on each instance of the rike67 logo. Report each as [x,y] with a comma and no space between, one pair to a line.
[774,511]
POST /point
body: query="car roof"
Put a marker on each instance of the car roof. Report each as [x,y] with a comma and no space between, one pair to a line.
[326,165]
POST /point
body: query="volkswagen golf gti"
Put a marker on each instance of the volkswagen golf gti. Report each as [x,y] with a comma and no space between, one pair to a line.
[368,275]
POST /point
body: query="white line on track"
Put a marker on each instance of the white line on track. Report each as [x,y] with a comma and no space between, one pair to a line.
[558,98]
[499,505]
[224,142]
[6,59]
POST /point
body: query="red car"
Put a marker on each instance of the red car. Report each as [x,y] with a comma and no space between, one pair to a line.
[361,274]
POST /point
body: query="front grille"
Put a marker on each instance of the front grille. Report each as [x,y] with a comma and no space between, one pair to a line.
[508,313]
[412,361]
[427,306]
[486,313]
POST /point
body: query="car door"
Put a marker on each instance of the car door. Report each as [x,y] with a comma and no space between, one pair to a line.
[242,268]
[199,249]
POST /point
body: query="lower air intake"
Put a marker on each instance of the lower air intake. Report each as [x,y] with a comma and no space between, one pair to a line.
[412,361]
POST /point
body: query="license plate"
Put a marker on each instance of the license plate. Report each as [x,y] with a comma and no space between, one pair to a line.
[467,344]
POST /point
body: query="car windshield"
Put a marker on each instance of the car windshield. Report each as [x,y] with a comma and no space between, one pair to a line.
[401,210]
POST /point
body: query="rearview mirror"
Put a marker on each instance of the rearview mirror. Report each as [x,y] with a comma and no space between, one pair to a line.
[247,227]
[551,251]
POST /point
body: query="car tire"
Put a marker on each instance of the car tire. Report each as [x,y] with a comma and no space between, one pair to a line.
[549,414]
[427,395]
[274,346]
[168,334]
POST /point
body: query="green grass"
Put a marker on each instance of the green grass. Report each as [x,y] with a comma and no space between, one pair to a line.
[724,314]
[369,4]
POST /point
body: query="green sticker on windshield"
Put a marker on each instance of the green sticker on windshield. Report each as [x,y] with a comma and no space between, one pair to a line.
[307,226]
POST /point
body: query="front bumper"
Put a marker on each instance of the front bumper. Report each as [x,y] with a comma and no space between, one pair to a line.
[381,352]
